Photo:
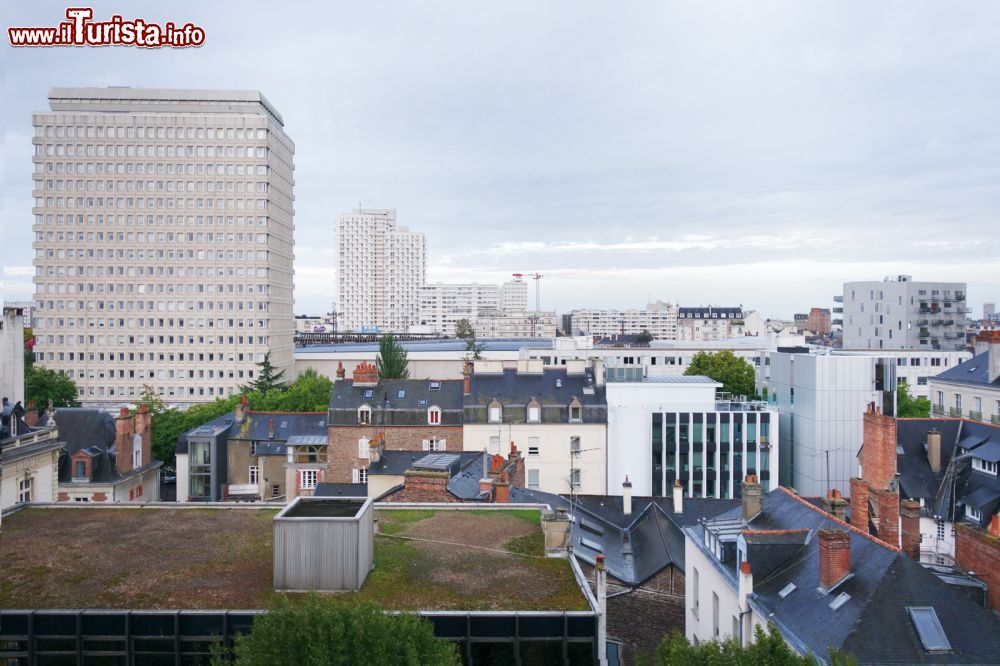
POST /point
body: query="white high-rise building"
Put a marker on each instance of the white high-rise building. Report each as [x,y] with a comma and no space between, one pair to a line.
[380,271]
[659,318]
[898,313]
[163,241]
[514,295]
[443,305]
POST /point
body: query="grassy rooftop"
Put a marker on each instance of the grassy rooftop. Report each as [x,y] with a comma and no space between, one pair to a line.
[216,558]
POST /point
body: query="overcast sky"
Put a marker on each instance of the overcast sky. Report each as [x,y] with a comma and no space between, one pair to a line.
[753,153]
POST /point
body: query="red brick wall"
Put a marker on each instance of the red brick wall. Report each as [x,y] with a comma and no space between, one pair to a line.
[878,458]
[859,504]
[887,503]
[62,497]
[100,497]
[834,556]
[977,551]
[423,487]
[909,511]
[342,451]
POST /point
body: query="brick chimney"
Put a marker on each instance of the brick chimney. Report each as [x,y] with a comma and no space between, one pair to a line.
[887,503]
[753,495]
[365,374]
[859,504]
[834,557]
[241,409]
[994,526]
[934,449]
[501,489]
[909,514]
[124,431]
[31,415]
[515,467]
[144,428]
[992,338]
[341,373]
[467,378]
[835,505]
[878,457]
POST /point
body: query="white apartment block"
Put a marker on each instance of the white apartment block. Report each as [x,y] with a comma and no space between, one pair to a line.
[12,355]
[898,313]
[514,295]
[708,323]
[515,324]
[380,270]
[659,318]
[442,305]
[163,240]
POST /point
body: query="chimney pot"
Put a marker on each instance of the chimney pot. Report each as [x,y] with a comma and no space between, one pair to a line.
[745,568]
[934,449]
[143,408]
[753,497]
[123,412]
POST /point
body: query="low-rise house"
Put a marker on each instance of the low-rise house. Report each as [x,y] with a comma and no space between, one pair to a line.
[396,414]
[251,455]
[825,584]
[556,416]
[29,464]
[105,458]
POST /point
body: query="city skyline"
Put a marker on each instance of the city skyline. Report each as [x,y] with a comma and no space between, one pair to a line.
[630,155]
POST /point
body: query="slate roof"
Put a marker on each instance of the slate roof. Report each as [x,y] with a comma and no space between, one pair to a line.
[975,371]
[635,547]
[515,390]
[256,427]
[341,489]
[918,481]
[873,624]
[93,431]
[391,410]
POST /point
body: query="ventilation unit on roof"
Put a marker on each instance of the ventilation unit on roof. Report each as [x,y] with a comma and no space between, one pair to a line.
[841,599]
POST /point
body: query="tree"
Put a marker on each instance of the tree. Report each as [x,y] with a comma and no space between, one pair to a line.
[267,378]
[908,406]
[735,374]
[767,649]
[644,336]
[391,360]
[29,345]
[310,392]
[42,385]
[463,329]
[324,630]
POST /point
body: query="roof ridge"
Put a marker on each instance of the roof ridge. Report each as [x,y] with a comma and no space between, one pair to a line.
[255,411]
[795,531]
[838,520]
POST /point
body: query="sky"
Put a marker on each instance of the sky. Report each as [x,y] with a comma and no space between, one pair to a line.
[753,153]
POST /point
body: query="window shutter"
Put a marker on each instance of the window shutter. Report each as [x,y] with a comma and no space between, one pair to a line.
[425,445]
[355,476]
[442,445]
[363,448]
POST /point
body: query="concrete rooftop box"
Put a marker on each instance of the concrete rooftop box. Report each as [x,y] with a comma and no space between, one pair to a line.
[324,544]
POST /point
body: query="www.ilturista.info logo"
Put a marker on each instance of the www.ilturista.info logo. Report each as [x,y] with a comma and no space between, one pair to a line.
[80,30]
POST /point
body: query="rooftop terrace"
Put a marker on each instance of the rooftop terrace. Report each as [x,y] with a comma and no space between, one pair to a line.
[222,558]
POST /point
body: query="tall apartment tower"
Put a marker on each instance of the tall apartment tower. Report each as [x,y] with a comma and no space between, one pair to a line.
[163,241]
[514,295]
[442,305]
[899,313]
[380,271]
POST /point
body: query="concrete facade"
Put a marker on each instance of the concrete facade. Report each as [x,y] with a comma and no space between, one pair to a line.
[659,318]
[442,305]
[163,241]
[12,355]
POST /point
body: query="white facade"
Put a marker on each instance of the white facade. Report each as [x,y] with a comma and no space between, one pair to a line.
[514,295]
[708,323]
[308,324]
[915,367]
[899,313]
[442,305]
[821,400]
[380,270]
[659,318]
[12,355]
[547,449]
[514,324]
[163,241]
[671,428]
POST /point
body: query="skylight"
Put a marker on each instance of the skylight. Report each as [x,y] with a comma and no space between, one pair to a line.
[422,403]
[369,393]
[593,545]
[786,590]
[435,386]
[841,599]
[400,394]
[925,621]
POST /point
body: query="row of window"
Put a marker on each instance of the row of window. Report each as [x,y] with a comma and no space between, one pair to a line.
[141,132]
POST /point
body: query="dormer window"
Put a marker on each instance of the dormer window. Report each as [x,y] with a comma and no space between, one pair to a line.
[434,415]
[534,411]
[364,415]
[973,514]
[984,466]
[495,412]
[575,411]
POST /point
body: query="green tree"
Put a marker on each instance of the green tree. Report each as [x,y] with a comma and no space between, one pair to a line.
[767,649]
[267,378]
[324,630]
[735,374]
[908,406]
[391,360]
[310,392]
[644,336]
[463,329]
[42,385]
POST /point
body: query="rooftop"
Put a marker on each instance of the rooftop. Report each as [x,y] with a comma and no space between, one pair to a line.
[975,371]
[424,560]
[439,345]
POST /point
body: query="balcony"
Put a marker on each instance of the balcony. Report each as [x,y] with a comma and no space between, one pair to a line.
[937,410]
[959,296]
[838,299]
[838,310]
[955,411]
[921,322]
[995,419]
[975,416]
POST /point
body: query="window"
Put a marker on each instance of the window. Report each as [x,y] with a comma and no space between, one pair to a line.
[715,615]
[254,475]
[369,393]
[574,477]
[24,491]
[434,415]
[940,529]
[276,490]
[575,413]
[574,446]
[307,478]
[958,401]
[940,399]
[533,478]
[364,415]
[400,394]
[496,413]
[435,386]
[364,448]
[434,444]
[80,471]
[363,475]
[984,466]
[532,450]
[972,513]
[494,445]
[929,629]
[307,454]
[253,448]
[694,592]
[534,413]
[137,451]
